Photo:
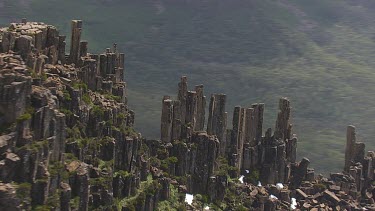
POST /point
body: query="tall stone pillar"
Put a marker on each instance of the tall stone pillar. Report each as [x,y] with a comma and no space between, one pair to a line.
[201,108]
[83,45]
[236,124]
[176,124]
[217,120]
[75,41]
[61,49]
[121,66]
[166,120]
[282,122]
[258,120]
[191,109]
[350,146]
[182,95]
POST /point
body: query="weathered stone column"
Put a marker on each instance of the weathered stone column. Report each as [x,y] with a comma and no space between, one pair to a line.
[204,165]
[166,119]
[83,48]
[176,124]
[236,124]
[121,66]
[8,41]
[258,120]
[61,49]
[217,120]
[282,122]
[250,127]
[75,41]
[299,174]
[350,146]
[65,196]
[182,95]
[201,108]
[191,109]
[103,65]
[291,149]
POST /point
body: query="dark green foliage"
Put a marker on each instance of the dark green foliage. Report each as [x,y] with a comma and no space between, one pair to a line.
[223,167]
[24,117]
[98,111]
[80,85]
[320,187]
[86,98]
[74,203]
[121,116]
[129,131]
[66,95]
[27,115]
[113,97]
[67,112]
[23,191]
[123,174]
[53,201]
[42,208]
[252,176]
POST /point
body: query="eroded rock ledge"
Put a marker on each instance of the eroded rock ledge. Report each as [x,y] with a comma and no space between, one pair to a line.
[67,141]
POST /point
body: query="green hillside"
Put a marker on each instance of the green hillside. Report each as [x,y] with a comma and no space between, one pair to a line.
[318,53]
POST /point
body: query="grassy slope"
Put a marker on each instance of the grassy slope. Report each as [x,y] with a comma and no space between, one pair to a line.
[319,54]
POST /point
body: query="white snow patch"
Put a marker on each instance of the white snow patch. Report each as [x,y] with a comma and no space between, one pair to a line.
[279,186]
[293,205]
[273,197]
[189,198]
[207,208]
[241,178]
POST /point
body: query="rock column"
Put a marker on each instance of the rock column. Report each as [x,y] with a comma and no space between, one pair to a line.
[166,119]
[350,144]
[201,108]
[75,41]
[217,120]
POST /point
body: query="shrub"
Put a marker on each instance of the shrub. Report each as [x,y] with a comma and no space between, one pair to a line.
[66,95]
[98,111]
[86,98]
[24,117]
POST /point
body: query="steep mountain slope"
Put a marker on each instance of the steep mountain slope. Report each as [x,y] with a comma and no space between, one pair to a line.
[317,53]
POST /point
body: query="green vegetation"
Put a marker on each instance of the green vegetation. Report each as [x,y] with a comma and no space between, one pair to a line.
[24,117]
[98,111]
[80,85]
[67,112]
[320,187]
[113,97]
[28,114]
[74,203]
[147,187]
[66,95]
[86,98]
[23,191]
[173,203]
[224,169]
[253,176]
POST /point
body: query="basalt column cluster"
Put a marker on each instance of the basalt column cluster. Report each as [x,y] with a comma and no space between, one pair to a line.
[244,146]
[272,154]
[358,164]
[66,141]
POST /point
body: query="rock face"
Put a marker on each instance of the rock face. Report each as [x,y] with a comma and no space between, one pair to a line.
[67,141]
[66,129]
